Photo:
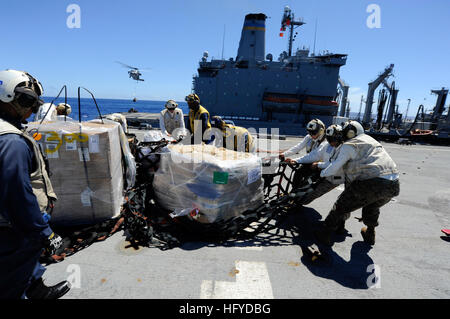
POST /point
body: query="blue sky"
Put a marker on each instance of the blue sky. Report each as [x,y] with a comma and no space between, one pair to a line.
[170,36]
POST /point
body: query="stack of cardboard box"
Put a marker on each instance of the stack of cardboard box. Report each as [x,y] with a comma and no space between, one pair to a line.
[85,164]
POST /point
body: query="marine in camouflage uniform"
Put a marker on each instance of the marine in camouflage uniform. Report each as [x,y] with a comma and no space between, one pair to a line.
[371,182]
[369,195]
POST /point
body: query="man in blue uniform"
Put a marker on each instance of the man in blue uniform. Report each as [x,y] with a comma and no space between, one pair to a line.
[25,195]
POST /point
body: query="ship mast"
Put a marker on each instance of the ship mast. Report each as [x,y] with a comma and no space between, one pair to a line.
[289,21]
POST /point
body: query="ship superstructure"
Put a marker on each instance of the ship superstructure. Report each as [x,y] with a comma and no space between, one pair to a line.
[253,87]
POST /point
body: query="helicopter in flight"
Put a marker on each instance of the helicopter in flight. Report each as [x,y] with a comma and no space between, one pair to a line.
[134,73]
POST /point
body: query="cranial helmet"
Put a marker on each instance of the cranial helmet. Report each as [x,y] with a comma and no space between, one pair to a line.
[21,91]
[64,109]
[334,134]
[217,121]
[192,98]
[315,126]
[171,104]
[352,129]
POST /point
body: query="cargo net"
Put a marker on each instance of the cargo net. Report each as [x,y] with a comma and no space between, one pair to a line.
[146,223]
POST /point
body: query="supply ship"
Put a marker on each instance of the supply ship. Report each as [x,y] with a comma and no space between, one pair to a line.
[254,90]
[282,95]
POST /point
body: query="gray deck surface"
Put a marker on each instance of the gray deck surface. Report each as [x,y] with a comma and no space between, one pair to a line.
[411,257]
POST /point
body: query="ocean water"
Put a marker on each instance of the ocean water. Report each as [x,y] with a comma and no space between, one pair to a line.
[107,106]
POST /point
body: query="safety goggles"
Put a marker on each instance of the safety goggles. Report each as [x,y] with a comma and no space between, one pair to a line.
[171,106]
[27,98]
[312,132]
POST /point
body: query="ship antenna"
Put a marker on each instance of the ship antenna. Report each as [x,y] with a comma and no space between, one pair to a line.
[315,36]
[223,40]
[289,21]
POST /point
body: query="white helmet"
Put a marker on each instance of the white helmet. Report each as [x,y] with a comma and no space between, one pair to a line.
[171,104]
[64,109]
[315,126]
[352,129]
[20,87]
[334,133]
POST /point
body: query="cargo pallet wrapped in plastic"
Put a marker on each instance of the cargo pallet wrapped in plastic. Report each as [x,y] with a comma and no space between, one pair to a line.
[86,170]
[218,184]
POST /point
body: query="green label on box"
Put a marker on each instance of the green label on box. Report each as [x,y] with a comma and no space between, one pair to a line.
[220,178]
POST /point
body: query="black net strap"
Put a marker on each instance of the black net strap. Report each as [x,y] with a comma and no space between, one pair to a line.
[148,224]
[282,182]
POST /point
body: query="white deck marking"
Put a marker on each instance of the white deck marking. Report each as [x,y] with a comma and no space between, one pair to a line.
[252,281]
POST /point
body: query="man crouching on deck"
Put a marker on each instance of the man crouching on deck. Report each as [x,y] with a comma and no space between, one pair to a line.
[371,180]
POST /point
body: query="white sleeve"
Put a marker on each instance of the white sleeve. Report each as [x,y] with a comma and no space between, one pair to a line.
[252,147]
[323,165]
[297,148]
[161,124]
[313,156]
[346,153]
[182,119]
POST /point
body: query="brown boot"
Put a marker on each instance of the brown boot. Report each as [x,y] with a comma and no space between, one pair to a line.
[368,234]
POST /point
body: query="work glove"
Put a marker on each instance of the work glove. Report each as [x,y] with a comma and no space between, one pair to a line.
[52,244]
[46,217]
[315,166]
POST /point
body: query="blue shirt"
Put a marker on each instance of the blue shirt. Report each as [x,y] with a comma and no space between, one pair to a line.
[18,204]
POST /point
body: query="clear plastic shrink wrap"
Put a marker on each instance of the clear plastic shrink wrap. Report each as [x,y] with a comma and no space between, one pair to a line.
[86,170]
[218,183]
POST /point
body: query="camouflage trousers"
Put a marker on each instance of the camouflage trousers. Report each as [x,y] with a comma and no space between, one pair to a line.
[369,195]
[318,189]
